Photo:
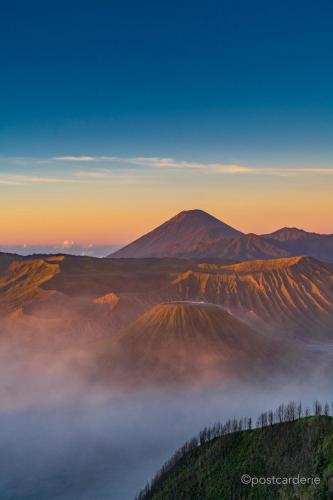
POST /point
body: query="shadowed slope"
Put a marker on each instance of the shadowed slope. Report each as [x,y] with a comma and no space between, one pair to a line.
[244,247]
[6,259]
[196,234]
[291,234]
[299,242]
[179,236]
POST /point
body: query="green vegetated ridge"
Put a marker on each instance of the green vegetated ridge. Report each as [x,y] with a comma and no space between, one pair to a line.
[213,470]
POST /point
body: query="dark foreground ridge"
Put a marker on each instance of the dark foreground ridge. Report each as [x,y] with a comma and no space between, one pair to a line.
[287,443]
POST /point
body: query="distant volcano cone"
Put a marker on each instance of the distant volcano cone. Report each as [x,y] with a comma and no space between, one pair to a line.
[179,236]
[196,234]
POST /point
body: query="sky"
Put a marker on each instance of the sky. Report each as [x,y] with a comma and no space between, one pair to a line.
[114,116]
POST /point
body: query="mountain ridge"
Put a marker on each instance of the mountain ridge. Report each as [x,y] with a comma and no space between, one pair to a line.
[197,234]
[291,233]
[287,294]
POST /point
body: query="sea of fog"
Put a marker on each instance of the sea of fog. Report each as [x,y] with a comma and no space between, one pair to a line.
[102,444]
[63,437]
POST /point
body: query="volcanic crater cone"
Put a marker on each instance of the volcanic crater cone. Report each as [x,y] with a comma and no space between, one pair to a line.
[184,341]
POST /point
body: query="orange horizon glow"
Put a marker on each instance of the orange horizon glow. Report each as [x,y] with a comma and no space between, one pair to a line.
[120,229]
[117,211]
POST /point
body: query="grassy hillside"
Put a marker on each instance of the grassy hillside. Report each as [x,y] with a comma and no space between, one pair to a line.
[213,471]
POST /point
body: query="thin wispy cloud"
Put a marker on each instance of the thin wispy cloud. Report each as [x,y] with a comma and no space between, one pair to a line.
[17,180]
[6,182]
[76,158]
[157,162]
[173,164]
[86,169]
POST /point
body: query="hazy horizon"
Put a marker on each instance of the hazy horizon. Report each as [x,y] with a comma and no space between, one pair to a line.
[93,247]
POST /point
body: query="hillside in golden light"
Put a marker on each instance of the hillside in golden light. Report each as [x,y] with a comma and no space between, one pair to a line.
[290,295]
[21,283]
[155,316]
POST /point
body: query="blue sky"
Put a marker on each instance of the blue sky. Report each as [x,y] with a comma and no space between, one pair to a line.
[114,116]
[244,82]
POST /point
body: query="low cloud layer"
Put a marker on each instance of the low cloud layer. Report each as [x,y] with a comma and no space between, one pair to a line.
[63,437]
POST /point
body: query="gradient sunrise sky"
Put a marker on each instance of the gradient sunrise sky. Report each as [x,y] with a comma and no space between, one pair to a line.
[114,116]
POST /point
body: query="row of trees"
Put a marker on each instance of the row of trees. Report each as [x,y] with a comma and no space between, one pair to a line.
[284,413]
[293,411]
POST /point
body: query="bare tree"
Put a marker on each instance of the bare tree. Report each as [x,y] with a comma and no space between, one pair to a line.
[262,420]
[326,409]
[299,410]
[290,411]
[280,413]
[284,413]
[234,425]
[317,408]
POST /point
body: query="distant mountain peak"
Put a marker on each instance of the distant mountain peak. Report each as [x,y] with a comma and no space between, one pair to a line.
[197,216]
[291,233]
[178,236]
[194,213]
[197,234]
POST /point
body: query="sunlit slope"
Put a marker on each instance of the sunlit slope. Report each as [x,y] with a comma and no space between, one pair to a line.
[22,281]
[181,341]
[287,295]
[25,281]
[290,293]
[62,301]
[171,320]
